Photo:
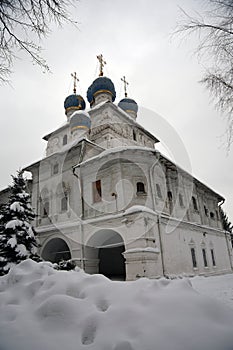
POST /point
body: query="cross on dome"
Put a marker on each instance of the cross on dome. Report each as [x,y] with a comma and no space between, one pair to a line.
[102,64]
[125,85]
[74,76]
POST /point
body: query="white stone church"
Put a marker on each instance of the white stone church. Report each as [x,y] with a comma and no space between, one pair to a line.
[107,199]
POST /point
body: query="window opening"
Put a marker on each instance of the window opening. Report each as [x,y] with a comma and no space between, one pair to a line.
[212,215]
[206,211]
[55,169]
[140,187]
[213,257]
[194,203]
[158,190]
[204,257]
[64,203]
[134,135]
[97,191]
[194,260]
[181,201]
[64,140]
[169,196]
[46,209]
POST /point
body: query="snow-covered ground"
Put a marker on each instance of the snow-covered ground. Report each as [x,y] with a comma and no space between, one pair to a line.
[44,309]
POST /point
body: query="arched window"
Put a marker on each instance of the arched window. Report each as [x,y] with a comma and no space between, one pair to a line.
[140,187]
[64,203]
[158,190]
[181,200]
[194,203]
[64,142]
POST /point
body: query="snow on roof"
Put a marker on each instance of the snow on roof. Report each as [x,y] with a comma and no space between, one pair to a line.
[63,126]
[42,308]
[116,150]
[66,148]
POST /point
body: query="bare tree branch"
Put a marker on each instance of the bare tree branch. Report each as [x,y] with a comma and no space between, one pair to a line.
[215,35]
[18,20]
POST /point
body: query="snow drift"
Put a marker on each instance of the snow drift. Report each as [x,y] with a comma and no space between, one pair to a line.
[41,308]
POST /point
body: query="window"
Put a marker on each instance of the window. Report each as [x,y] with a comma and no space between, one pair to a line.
[204,257]
[169,196]
[194,260]
[212,215]
[158,190]
[55,169]
[134,136]
[217,216]
[64,203]
[181,200]
[46,209]
[64,142]
[140,187]
[97,191]
[194,203]
[206,211]
[213,257]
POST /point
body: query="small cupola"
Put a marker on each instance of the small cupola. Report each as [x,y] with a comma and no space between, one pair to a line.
[80,124]
[128,104]
[74,102]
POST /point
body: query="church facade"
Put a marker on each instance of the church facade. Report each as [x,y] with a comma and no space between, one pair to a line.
[107,199]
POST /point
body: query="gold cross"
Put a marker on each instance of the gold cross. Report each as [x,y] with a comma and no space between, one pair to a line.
[125,85]
[74,76]
[102,63]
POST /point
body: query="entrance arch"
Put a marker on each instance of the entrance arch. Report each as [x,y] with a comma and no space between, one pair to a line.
[105,250]
[56,250]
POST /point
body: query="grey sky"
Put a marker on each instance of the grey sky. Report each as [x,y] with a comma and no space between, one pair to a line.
[134,38]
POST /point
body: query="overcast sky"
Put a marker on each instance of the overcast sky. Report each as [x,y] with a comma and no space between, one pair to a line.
[134,37]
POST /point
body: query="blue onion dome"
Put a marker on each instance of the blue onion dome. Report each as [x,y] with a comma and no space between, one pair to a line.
[80,120]
[74,102]
[128,105]
[101,84]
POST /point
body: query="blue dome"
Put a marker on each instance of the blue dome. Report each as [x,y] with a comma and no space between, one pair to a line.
[101,84]
[128,104]
[80,120]
[74,101]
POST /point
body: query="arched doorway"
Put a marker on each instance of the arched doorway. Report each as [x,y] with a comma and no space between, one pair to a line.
[56,250]
[105,247]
